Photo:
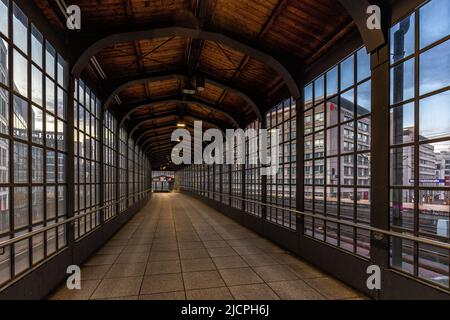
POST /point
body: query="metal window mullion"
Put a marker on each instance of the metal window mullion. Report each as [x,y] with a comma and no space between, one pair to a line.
[416,140]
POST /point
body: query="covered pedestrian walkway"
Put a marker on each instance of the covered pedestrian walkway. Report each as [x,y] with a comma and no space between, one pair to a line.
[178,248]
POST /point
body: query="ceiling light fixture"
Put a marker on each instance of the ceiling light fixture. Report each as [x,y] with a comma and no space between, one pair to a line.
[200,84]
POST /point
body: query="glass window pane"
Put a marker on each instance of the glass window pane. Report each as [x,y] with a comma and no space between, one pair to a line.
[51,173]
[319,90]
[4,211]
[402,39]
[347,101]
[61,168]
[61,103]
[50,95]
[332,141]
[50,59]
[308,97]
[434,212]
[332,82]
[402,166]
[363,67]
[434,22]
[50,131]
[20,118]
[20,162]
[36,46]
[402,209]
[434,263]
[20,29]
[20,207]
[364,96]
[36,86]
[4,62]
[402,82]
[402,124]
[37,199]
[38,125]
[435,116]
[4,111]
[430,155]
[333,112]
[61,135]
[51,202]
[4,160]
[61,201]
[348,73]
[61,65]
[435,68]
[4,17]
[20,74]
[38,165]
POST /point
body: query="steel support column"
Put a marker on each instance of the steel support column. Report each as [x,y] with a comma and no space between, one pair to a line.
[379,216]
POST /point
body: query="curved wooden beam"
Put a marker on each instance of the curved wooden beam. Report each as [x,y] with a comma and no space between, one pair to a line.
[129,109]
[357,9]
[138,124]
[90,46]
[169,75]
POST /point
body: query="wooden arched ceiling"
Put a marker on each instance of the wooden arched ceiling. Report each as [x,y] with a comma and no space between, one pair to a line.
[299,30]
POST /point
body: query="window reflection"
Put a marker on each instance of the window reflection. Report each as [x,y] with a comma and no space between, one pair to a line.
[4,62]
[435,116]
[20,74]
[432,12]
[20,29]
[434,76]
[402,82]
[36,46]
[4,17]
[402,39]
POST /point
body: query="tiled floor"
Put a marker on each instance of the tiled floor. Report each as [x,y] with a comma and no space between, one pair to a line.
[178,248]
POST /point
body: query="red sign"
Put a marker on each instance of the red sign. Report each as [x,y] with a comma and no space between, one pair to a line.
[447,180]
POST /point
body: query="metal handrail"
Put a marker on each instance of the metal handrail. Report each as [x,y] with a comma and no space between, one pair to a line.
[61,223]
[341,222]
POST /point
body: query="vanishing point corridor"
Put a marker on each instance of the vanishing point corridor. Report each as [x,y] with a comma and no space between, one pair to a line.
[178,248]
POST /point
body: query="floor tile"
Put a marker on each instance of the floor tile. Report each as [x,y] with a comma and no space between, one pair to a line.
[87,288]
[94,272]
[202,280]
[259,260]
[120,287]
[305,271]
[221,252]
[239,276]
[332,289]
[164,255]
[162,283]
[132,257]
[203,264]
[179,295]
[229,262]
[99,260]
[163,267]
[209,294]
[275,273]
[193,253]
[295,290]
[126,270]
[215,244]
[253,292]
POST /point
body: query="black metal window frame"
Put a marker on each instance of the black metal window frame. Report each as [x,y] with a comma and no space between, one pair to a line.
[281,188]
[336,156]
[36,146]
[407,256]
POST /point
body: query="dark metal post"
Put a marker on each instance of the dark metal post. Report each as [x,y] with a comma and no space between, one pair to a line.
[300,172]
[379,216]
